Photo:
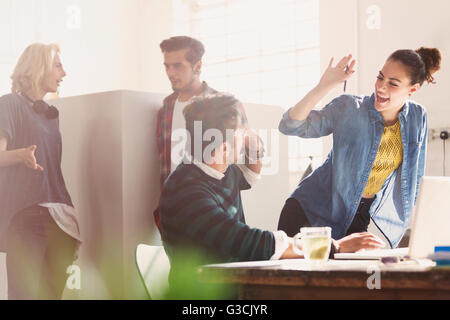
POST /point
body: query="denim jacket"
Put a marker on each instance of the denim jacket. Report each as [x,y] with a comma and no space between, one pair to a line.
[331,194]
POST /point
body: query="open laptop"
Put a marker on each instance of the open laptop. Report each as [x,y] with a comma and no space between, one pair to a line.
[430,224]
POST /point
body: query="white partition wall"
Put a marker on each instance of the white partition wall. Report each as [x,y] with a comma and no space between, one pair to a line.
[110,165]
[111,168]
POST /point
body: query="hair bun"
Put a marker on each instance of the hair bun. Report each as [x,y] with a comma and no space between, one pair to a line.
[432,58]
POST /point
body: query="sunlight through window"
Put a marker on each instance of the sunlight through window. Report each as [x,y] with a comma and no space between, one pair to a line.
[262,51]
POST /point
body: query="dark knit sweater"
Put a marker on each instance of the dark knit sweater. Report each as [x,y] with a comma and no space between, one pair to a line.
[203,216]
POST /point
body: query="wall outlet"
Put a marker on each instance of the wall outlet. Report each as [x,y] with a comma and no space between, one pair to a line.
[436,133]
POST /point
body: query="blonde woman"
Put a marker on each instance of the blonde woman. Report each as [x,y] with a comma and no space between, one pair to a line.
[38,224]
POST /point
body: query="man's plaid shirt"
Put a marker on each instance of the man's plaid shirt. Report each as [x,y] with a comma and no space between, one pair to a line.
[164,137]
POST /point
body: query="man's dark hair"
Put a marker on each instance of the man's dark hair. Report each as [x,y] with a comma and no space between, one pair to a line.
[220,111]
[196,48]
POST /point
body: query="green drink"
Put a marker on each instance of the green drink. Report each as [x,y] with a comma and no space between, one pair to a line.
[315,243]
[316,248]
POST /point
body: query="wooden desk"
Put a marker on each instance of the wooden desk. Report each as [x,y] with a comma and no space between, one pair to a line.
[297,279]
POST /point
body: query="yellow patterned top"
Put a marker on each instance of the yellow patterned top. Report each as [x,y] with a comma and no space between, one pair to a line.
[389,157]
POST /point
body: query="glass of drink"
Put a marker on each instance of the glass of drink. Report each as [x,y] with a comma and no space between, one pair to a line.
[316,243]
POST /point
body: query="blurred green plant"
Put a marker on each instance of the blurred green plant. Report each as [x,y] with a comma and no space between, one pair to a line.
[184,282]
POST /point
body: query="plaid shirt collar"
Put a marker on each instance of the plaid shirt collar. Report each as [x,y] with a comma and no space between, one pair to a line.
[164,130]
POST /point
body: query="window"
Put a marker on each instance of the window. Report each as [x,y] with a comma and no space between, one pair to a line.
[262,51]
[6,47]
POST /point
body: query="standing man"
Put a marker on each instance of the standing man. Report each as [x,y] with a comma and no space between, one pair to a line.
[183,63]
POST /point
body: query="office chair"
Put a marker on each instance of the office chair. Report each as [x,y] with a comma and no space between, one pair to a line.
[153,266]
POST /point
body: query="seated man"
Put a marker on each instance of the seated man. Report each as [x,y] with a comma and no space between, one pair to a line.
[202,219]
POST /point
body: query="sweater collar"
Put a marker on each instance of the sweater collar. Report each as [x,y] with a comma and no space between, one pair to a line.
[202,166]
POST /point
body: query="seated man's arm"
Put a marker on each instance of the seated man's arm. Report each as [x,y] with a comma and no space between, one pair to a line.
[253,153]
[250,176]
[196,216]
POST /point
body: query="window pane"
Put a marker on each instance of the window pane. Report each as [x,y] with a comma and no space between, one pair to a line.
[308,56]
[306,9]
[275,12]
[240,84]
[208,12]
[5,82]
[215,50]
[262,51]
[220,83]
[253,96]
[278,61]
[238,17]
[241,44]
[216,70]
[307,34]
[204,3]
[283,97]
[277,39]
[303,90]
[5,29]
[209,27]
[278,79]
[308,74]
[244,66]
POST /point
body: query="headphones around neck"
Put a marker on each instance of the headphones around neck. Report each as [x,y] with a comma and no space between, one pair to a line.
[41,107]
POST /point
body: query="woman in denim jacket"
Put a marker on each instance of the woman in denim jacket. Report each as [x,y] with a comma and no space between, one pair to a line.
[378,156]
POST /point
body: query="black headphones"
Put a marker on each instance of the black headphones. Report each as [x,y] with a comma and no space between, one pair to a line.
[40,106]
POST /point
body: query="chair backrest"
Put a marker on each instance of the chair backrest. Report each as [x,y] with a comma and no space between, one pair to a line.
[153,266]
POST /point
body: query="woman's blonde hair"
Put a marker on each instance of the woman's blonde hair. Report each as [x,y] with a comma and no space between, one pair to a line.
[34,63]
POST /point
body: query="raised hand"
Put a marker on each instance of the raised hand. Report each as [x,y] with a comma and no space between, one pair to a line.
[252,143]
[332,77]
[342,71]
[28,158]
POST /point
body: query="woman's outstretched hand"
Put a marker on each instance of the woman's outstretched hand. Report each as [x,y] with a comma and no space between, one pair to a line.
[358,242]
[28,158]
[334,76]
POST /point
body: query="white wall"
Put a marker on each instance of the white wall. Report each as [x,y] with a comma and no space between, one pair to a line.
[338,38]
[111,168]
[156,25]
[140,179]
